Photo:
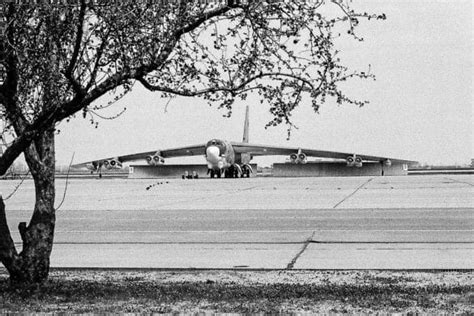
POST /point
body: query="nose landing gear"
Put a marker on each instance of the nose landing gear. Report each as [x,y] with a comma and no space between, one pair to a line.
[215,173]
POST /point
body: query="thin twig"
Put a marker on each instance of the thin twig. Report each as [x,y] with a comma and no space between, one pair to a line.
[67,181]
[18,186]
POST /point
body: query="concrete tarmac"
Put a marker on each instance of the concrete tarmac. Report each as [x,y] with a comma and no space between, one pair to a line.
[407,222]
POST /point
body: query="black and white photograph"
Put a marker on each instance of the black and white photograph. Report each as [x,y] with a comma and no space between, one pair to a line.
[236,157]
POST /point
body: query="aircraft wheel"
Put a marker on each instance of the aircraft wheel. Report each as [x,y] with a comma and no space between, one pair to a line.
[229,173]
[244,172]
[212,173]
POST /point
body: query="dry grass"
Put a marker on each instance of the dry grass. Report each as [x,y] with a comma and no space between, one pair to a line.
[87,291]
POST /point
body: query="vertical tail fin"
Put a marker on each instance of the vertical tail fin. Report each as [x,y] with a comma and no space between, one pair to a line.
[246,126]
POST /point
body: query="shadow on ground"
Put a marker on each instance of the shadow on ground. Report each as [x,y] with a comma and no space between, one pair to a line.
[81,291]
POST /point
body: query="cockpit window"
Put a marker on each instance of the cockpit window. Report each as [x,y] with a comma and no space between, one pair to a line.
[214,142]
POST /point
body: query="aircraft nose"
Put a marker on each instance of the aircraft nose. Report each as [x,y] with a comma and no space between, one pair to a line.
[212,154]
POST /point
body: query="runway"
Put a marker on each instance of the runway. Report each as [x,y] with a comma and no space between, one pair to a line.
[407,222]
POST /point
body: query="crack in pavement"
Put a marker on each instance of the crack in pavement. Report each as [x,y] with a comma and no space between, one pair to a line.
[303,249]
[355,191]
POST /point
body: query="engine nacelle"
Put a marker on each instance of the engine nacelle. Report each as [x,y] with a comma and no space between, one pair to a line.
[294,158]
[298,157]
[93,166]
[387,162]
[155,160]
[302,158]
[350,161]
[354,161]
[113,163]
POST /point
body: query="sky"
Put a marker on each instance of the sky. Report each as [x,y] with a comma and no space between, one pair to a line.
[421,105]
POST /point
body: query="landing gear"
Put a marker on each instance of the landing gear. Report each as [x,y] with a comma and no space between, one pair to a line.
[232,172]
[215,173]
[245,172]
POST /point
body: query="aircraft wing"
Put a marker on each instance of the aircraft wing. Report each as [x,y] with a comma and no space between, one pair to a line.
[264,150]
[194,150]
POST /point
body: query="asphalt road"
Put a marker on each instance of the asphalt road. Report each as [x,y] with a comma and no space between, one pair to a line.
[411,222]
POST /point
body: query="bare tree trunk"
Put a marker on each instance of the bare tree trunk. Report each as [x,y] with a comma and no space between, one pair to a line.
[31,265]
[8,252]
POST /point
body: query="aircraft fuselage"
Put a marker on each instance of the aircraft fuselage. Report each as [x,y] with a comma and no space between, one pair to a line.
[220,154]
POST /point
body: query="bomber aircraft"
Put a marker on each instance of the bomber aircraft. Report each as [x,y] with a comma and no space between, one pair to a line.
[232,159]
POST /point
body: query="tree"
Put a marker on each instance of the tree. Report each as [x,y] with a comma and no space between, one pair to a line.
[60,57]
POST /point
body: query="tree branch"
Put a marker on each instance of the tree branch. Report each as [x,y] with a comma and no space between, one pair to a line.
[14,150]
[234,89]
[77,45]
[203,18]
[99,53]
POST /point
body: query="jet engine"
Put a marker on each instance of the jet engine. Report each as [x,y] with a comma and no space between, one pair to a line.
[155,159]
[113,163]
[350,161]
[294,158]
[298,157]
[387,162]
[302,158]
[93,166]
[358,162]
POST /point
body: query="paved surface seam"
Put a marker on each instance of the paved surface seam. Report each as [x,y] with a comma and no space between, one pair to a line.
[391,242]
[184,243]
[306,244]
[464,182]
[204,198]
[347,197]
[255,242]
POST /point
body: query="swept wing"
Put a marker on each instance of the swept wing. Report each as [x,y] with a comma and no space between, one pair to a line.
[264,150]
[194,150]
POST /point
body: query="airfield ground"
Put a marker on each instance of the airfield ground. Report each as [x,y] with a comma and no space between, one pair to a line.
[410,236]
[410,222]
